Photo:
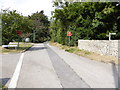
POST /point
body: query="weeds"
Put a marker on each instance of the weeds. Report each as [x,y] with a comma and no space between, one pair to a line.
[22,47]
[87,54]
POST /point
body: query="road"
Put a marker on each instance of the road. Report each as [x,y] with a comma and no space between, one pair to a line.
[45,66]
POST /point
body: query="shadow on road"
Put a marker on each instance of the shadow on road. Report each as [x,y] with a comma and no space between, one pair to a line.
[37,48]
[3,81]
[115,74]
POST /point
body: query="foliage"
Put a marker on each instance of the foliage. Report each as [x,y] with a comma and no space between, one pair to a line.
[86,20]
[87,54]
[23,47]
[11,22]
[40,26]
[25,35]
[37,24]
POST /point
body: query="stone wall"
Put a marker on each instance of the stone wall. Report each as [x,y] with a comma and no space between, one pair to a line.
[104,47]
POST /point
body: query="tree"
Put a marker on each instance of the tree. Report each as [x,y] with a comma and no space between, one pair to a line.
[0,28]
[40,25]
[86,20]
[11,22]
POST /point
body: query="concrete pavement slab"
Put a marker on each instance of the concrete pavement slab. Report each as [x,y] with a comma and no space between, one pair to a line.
[94,73]
[68,78]
[37,70]
[8,65]
[0,64]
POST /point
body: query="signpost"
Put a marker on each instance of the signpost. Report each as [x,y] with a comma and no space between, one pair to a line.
[110,35]
[69,34]
[110,39]
[19,33]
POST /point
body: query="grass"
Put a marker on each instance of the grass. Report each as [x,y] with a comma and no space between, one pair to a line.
[76,50]
[87,54]
[0,86]
[22,47]
[3,87]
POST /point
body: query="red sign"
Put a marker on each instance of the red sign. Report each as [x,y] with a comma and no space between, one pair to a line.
[69,34]
[19,32]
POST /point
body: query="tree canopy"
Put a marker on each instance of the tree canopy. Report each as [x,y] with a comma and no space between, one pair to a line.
[12,21]
[40,26]
[86,20]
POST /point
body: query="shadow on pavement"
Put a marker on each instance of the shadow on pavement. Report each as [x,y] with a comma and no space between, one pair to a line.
[37,48]
[115,74]
[3,81]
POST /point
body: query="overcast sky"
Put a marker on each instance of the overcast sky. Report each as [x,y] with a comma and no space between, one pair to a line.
[27,7]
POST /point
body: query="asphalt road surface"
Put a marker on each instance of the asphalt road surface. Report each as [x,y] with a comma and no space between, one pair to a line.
[45,66]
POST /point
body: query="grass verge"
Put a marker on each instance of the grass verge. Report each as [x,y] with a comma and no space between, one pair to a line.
[22,48]
[87,54]
[3,87]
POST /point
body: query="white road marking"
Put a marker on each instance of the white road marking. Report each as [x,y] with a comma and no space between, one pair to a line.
[13,82]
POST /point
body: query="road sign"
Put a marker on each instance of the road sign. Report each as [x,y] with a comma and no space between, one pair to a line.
[19,32]
[69,34]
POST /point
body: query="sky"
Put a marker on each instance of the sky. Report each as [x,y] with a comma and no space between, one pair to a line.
[27,7]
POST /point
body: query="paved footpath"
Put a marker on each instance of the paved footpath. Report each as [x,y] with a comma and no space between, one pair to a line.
[37,70]
[45,66]
[8,64]
[95,74]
